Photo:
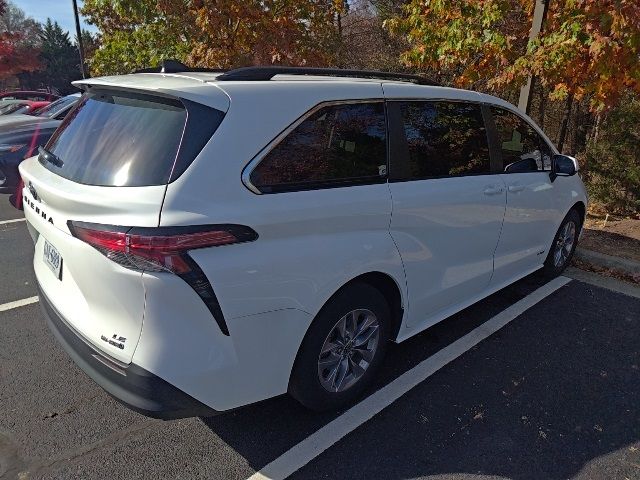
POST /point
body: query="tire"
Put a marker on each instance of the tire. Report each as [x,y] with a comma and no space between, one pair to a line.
[312,383]
[560,253]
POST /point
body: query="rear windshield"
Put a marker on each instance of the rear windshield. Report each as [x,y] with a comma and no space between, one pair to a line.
[119,139]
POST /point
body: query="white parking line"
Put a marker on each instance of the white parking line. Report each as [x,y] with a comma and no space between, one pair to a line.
[18,303]
[12,221]
[319,441]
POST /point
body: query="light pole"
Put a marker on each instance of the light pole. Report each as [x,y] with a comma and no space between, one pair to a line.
[79,37]
[539,15]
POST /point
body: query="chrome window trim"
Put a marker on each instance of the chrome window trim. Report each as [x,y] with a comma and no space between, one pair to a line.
[255,161]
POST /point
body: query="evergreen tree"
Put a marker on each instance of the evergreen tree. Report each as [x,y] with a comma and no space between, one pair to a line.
[59,58]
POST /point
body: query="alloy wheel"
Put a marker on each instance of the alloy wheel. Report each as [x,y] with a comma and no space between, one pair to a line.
[564,244]
[348,350]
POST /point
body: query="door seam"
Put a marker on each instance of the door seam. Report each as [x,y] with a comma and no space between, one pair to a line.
[504,213]
[404,271]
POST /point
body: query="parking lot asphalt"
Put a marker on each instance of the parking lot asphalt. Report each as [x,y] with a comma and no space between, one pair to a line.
[554,394]
[16,247]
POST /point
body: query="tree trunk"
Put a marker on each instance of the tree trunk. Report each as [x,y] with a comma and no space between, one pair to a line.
[565,121]
[576,130]
[542,107]
[580,138]
[340,53]
[596,128]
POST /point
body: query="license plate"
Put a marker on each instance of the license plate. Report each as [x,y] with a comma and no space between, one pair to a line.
[53,259]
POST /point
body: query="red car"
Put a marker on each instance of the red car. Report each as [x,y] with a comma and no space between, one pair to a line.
[35,95]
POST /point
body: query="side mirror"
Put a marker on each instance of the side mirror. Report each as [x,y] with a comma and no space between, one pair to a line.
[564,166]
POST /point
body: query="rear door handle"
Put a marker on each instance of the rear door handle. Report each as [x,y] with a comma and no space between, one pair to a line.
[493,190]
[516,188]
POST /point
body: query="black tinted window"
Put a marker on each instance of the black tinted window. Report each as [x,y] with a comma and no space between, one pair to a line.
[522,148]
[119,139]
[444,139]
[338,144]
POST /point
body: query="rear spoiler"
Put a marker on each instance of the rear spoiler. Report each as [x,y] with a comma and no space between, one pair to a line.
[172,86]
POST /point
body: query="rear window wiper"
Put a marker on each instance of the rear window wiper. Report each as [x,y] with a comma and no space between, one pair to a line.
[47,156]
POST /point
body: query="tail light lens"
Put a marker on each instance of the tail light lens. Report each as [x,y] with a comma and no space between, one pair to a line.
[157,249]
[164,250]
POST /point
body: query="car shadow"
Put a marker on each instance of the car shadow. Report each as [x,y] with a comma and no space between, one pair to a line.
[551,396]
[263,431]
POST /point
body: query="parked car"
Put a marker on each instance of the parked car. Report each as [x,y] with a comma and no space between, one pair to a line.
[9,105]
[35,95]
[18,143]
[59,108]
[274,231]
[26,107]
[28,133]
[54,110]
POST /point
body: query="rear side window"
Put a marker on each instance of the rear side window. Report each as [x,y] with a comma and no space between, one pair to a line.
[522,148]
[128,139]
[444,139]
[335,146]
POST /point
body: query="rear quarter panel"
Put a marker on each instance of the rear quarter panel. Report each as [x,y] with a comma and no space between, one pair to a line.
[310,243]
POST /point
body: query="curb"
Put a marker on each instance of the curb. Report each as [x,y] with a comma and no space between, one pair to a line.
[627,266]
[602,281]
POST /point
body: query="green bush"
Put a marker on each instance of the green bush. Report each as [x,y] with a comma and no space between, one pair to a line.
[611,163]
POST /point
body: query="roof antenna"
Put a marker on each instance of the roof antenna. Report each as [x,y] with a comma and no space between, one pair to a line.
[173,66]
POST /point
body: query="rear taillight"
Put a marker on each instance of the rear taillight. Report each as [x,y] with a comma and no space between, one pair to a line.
[164,249]
[157,249]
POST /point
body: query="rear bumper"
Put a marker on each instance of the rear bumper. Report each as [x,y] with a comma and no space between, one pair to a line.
[130,384]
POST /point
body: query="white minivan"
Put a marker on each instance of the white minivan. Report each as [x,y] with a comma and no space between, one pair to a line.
[205,240]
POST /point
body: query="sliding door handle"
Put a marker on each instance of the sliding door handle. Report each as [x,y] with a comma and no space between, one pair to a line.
[493,190]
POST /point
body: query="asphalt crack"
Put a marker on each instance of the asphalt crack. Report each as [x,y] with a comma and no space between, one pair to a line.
[13,466]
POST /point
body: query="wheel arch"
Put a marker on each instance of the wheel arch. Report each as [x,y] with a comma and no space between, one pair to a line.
[388,287]
[581,209]
[385,284]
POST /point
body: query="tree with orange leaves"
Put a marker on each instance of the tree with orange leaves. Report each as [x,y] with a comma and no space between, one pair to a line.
[291,32]
[587,47]
[208,33]
[18,54]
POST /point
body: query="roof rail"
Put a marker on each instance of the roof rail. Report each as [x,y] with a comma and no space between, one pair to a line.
[267,73]
[174,66]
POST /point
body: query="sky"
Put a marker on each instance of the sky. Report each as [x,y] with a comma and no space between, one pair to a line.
[58,10]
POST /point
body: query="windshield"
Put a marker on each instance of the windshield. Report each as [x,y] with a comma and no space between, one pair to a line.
[13,108]
[53,108]
[119,139]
